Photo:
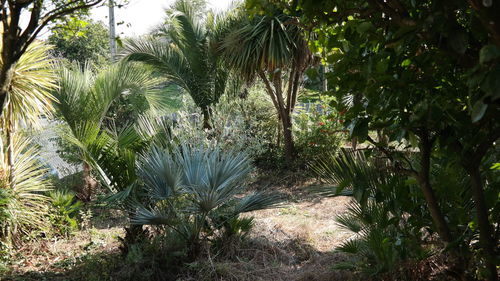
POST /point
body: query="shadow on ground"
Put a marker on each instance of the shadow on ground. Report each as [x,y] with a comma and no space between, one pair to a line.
[255,259]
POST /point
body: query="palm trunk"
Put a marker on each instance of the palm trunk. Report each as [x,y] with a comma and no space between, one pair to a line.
[89,184]
[288,137]
[206,118]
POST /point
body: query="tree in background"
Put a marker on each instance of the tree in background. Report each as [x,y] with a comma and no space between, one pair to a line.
[81,40]
[16,39]
[426,74]
[273,48]
[186,54]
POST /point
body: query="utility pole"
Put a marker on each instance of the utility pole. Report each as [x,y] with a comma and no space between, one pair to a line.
[112,32]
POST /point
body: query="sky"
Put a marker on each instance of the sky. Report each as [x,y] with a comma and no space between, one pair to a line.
[139,16]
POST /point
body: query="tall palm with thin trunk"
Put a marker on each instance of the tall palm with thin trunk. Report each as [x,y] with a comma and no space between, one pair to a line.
[186,53]
[28,98]
[22,176]
[273,48]
[84,100]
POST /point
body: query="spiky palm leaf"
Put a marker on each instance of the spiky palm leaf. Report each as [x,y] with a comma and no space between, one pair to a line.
[185,55]
[30,96]
[85,98]
[24,203]
[196,189]
[264,43]
[378,216]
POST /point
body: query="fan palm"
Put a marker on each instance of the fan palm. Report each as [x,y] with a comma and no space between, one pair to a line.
[196,191]
[273,48]
[186,53]
[84,100]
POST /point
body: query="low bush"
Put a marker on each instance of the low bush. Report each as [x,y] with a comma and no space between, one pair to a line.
[193,197]
[318,128]
[386,214]
[63,211]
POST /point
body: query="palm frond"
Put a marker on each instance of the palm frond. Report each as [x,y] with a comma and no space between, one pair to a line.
[30,95]
[24,203]
[258,201]
[160,173]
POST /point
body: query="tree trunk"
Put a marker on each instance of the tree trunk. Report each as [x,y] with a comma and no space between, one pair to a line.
[288,138]
[486,237]
[206,118]
[89,184]
[6,74]
[9,131]
[425,184]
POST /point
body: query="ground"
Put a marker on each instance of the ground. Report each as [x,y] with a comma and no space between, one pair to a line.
[294,242]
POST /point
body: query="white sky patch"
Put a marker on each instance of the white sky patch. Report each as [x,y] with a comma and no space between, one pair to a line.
[140,16]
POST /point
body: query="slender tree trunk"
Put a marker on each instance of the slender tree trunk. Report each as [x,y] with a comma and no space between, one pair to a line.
[425,185]
[288,137]
[6,74]
[486,236]
[9,131]
[206,118]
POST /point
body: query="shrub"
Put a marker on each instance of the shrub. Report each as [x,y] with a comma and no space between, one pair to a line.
[238,124]
[23,207]
[318,128]
[386,214]
[196,194]
[63,211]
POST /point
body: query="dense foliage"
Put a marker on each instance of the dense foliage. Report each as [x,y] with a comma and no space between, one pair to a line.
[413,85]
[427,72]
[81,41]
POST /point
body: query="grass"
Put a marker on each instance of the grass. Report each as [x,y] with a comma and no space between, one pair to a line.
[291,243]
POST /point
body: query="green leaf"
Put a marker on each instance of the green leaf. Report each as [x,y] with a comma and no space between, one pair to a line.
[488,53]
[364,27]
[478,111]
[382,65]
[413,139]
[495,166]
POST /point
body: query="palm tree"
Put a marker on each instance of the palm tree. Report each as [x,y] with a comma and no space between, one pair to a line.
[22,176]
[23,181]
[186,53]
[29,96]
[84,100]
[197,192]
[273,48]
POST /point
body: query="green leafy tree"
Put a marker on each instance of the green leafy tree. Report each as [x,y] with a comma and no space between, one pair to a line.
[186,53]
[81,40]
[426,74]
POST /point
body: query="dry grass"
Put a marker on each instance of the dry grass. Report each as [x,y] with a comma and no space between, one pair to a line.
[295,242]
